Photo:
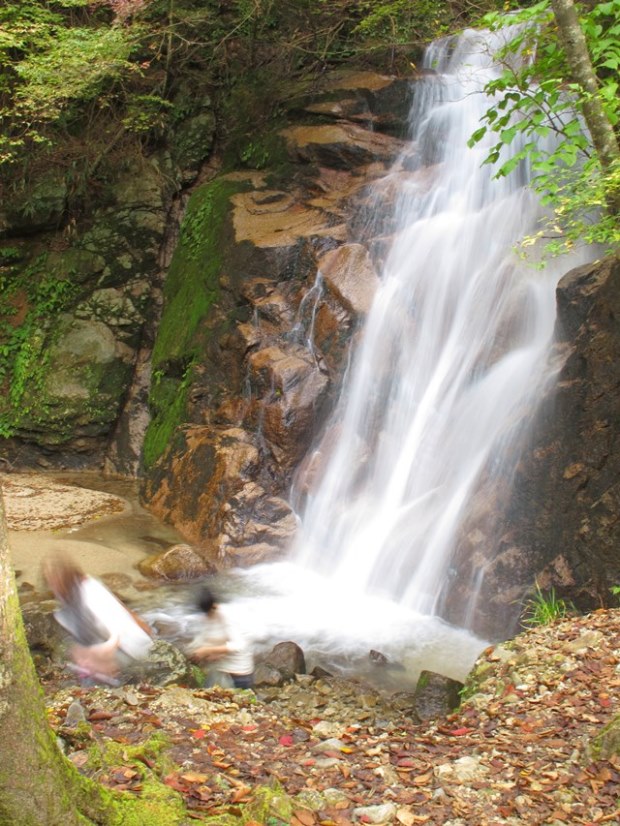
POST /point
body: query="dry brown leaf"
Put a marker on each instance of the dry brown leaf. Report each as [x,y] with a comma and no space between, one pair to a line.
[305,817]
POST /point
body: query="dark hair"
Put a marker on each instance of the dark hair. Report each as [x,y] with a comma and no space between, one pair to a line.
[206,600]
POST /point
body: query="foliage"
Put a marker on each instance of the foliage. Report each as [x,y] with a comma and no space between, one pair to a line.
[543,609]
[400,21]
[539,112]
[50,64]
[23,351]
[76,66]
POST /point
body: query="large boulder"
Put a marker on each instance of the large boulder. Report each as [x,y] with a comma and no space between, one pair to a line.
[233,520]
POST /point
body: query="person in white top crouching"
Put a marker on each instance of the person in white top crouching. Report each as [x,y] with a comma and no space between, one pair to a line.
[222,646]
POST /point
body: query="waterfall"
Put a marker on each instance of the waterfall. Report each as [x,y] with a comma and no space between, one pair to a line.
[452,354]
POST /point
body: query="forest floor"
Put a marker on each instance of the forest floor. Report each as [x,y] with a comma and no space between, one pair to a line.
[537,741]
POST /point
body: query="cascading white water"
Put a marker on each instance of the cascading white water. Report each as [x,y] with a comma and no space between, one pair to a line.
[454,347]
[453,351]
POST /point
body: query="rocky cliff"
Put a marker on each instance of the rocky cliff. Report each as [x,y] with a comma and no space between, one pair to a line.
[207,363]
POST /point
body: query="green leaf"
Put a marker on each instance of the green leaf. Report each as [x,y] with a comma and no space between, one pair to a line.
[507,135]
[477,136]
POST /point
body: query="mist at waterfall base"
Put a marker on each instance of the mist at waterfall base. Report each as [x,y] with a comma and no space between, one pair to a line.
[452,354]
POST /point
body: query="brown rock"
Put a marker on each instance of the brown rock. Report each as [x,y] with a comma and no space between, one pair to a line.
[435,695]
[179,563]
[289,412]
[288,659]
[349,273]
[340,145]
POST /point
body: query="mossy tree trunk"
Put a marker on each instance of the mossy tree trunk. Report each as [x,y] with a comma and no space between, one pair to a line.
[575,46]
[38,786]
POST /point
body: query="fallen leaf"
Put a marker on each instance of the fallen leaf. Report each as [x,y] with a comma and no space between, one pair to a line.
[194,777]
[241,795]
[305,817]
[173,781]
[100,715]
[422,779]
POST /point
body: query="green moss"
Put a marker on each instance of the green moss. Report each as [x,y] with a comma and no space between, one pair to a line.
[112,753]
[167,402]
[423,680]
[25,347]
[192,287]
[157,805]
[475,680]
[271,806]
[606,744]
[192,284]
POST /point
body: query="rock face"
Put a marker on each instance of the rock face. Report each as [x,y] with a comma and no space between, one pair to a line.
[571,475]
[560,525]
[232,364]
[80,302]
[266,288]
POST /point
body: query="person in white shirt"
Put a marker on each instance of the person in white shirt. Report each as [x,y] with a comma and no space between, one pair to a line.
[221,644]
[108,635]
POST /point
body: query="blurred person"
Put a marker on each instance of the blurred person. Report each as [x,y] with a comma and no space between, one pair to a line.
[222,646]
[108,635]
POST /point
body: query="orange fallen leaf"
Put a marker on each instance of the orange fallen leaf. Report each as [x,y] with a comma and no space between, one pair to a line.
[173,781]
[422,779]
[241,795]
[304,817]
[194,777]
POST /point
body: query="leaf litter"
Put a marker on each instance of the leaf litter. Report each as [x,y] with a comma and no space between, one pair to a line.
[528,745]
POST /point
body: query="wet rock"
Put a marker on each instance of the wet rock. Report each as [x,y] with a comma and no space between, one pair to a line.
[295,390]
[267,675]
[256,527]
[34,502]
[349,273]
[288,659]
[340,145]
[377,658]
[559,525]
[75,715]
[275,223]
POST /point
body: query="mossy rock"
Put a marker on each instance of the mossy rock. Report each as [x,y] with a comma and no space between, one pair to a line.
[192,288]
[607,742]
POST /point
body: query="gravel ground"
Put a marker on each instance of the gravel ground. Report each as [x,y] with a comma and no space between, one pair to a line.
[535,742]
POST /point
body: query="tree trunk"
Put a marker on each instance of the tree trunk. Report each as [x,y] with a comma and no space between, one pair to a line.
[38,786]
[573,40]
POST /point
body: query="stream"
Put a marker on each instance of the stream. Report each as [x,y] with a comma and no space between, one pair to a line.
[275,602]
